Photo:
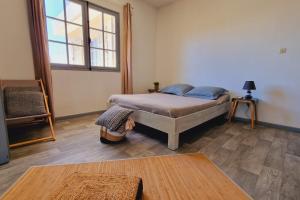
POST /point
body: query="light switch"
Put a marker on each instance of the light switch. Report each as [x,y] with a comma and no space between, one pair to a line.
[283,50]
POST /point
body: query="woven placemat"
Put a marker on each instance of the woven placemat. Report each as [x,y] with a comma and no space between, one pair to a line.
[81,186]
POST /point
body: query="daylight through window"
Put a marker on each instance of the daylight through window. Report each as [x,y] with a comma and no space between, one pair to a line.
[82,35]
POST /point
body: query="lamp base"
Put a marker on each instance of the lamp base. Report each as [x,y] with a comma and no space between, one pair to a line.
[248,96]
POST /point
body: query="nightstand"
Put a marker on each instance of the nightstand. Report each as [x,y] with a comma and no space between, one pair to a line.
[251,103]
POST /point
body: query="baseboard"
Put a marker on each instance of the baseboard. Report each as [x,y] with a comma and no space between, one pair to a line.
[267,124]
[78,115]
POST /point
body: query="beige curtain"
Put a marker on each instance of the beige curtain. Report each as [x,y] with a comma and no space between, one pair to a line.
[38,34]
[126,70]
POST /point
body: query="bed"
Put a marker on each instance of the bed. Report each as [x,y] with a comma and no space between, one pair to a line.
[171,114]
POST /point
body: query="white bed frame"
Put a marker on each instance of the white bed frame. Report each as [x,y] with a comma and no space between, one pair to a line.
[174,126]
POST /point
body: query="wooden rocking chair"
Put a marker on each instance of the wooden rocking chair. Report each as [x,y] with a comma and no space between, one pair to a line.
[32,118]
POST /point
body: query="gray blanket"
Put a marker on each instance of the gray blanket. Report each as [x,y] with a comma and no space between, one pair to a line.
[165,104]
[114,118]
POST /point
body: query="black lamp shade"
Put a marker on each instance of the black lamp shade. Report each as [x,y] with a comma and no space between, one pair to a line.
[249,85]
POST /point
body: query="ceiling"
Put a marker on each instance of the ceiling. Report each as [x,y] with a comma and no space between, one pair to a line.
[159,3]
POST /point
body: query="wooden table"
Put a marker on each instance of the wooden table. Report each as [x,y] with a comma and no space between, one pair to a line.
[249,102]
[190,176]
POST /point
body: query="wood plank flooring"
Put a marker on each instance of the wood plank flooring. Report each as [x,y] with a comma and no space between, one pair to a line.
[265,162]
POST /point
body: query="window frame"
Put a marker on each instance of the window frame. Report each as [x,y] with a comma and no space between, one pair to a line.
[86,38]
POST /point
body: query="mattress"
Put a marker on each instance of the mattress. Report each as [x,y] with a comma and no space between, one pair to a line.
[165,104]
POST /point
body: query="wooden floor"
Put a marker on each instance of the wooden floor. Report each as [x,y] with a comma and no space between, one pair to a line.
[265,162]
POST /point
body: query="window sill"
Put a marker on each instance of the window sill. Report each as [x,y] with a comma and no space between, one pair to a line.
[82,68]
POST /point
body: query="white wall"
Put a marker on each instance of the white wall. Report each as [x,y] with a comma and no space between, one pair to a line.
[77,92]
[144,38]
[15,48]
[224,43]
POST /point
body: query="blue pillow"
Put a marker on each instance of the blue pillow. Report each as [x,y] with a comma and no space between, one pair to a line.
[206,92]
[177,89]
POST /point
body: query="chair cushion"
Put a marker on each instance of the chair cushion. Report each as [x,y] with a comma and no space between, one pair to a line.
[23,101]
[177,89]
[21,89]
[114,117]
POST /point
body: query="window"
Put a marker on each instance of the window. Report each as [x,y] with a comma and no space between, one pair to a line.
[82,36]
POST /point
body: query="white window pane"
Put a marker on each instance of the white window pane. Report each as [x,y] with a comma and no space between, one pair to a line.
[95,18]
[109,41]
[55,8]
[76,55]
[75,34]
[96,57]
[74,12]
[56,30]
[110,59]
[58,53]
[109,23]
[96,38]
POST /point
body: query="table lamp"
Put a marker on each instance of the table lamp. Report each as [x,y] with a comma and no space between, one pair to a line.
[249,85]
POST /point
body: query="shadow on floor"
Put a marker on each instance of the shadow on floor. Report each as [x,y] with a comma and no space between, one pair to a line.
[188,136]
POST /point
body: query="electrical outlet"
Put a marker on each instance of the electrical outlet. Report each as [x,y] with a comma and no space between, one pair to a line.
[283,50]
